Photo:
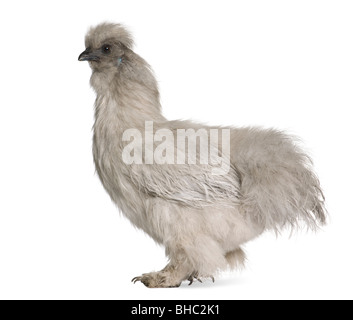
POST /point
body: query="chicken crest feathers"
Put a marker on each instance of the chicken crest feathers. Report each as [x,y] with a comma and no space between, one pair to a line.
[96,36]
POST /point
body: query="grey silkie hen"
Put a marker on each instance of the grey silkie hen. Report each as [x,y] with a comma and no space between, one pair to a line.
[201,217]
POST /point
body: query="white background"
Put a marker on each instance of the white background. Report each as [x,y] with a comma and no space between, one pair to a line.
[284,64]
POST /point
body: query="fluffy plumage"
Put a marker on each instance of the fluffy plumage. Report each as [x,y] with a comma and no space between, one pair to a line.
[202,219]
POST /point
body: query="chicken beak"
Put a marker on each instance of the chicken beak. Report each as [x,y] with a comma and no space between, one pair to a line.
[87,56]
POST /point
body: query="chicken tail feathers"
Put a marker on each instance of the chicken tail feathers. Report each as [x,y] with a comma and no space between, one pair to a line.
[283,191]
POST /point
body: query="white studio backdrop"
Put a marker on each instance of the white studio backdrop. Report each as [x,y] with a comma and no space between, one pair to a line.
[283,64]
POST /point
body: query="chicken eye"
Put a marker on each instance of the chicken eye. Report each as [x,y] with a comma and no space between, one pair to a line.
[106,48]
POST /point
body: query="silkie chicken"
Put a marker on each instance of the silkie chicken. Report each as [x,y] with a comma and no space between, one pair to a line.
[200,215]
